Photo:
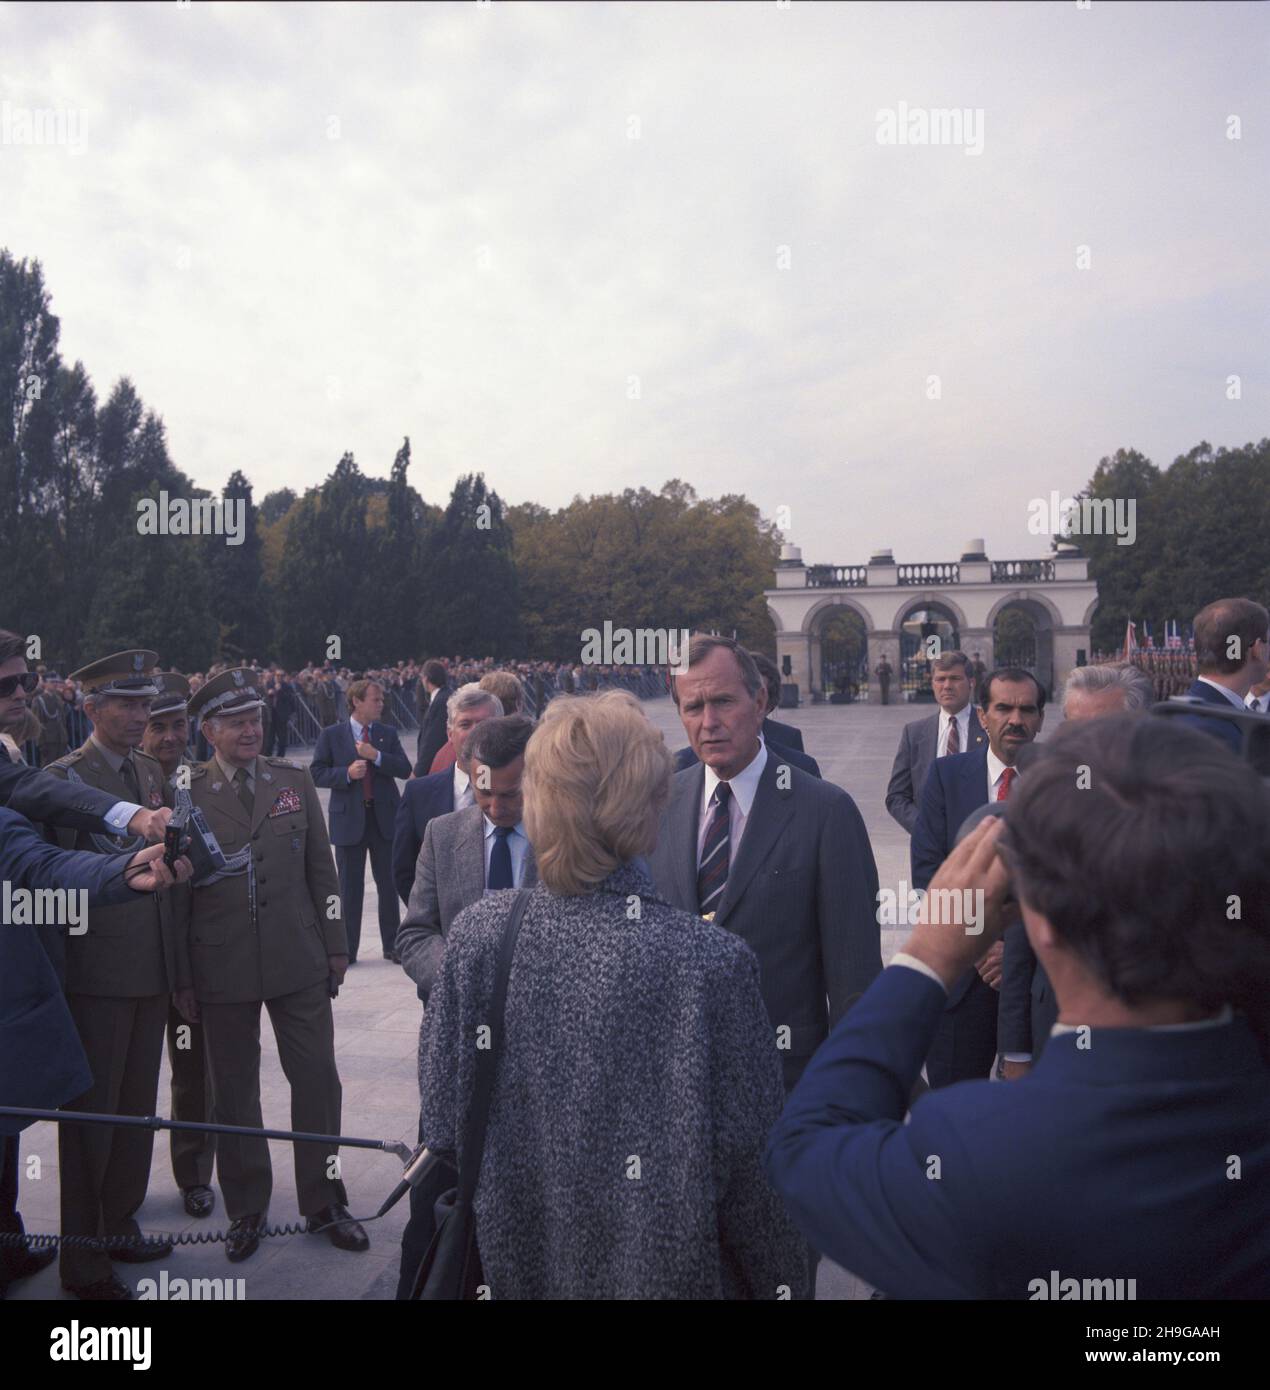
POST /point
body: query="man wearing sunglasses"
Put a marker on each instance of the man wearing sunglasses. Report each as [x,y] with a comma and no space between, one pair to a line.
[42,797]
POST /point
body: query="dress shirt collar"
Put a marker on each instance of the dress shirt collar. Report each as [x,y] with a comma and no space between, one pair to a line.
[963,725]
[1218,1020]
[995,768]
[114,760]
[744,785]
[461,780]
[1229,694]
[228,770]
[359,731]
[517,829]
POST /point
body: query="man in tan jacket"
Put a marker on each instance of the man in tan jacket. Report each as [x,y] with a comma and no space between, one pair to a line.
[267,930]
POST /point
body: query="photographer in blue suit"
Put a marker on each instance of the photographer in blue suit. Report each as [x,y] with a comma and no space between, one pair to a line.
[1138,1148]
[42,1062]
[357,762]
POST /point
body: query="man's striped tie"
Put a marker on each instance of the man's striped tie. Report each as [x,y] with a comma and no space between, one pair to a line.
[712,876]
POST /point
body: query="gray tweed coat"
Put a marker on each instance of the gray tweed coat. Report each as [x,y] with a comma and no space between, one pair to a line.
[636,1088]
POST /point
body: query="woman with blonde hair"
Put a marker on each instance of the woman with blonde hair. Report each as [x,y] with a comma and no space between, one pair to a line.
[637,1074]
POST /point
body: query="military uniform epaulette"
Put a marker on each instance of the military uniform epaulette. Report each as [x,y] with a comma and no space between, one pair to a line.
[197,770]
[137,753]
[284,762]
[68,758]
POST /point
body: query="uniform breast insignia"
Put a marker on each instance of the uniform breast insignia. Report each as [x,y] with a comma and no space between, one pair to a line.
[156,798]
[287,803]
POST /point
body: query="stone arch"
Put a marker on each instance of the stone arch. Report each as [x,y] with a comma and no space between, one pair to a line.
[835,670]
[811,619]
[929,598]
[1038,656]
[1026,599]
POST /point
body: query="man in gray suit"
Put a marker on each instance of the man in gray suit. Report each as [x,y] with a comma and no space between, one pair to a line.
[465,855]
[954,728]
[469,852]
[768,852]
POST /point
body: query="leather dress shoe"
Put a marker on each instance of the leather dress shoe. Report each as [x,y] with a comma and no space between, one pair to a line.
[244,1236]
[143,1254]
[199,1201]
[107,1290]
[30,1262]
[337,1222]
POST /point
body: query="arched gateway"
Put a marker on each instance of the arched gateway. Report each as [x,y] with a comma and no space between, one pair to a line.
[835,623]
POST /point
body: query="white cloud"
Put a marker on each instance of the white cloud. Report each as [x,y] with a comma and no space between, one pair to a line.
[482,258]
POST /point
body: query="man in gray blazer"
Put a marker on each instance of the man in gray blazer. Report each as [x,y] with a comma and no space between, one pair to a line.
[465,855]
[768,852]
[953,728]
[470,852]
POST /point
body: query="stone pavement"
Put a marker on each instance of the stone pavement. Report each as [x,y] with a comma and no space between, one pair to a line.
[376,1030]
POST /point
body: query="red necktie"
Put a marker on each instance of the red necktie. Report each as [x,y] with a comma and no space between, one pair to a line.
[954,737]
[368,782]
[1003,787]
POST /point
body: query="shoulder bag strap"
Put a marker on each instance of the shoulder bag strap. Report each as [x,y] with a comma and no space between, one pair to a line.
[487,1059]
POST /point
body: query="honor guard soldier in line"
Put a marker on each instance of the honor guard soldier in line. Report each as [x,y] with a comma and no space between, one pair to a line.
[166,739]
[118,982]
[264,930]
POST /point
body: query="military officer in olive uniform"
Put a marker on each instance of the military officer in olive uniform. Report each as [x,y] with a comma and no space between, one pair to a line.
[268,930]
[166,740]
[50,710]
[118,982]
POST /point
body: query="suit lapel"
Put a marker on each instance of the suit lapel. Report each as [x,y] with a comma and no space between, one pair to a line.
[222,788]
[977,737]
[267,788]
[469,854]
[682,826]
[771,811]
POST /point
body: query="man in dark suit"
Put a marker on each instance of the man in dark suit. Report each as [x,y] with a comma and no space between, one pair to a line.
[1152,1096]
[280,694]
[784,741]
[440,792]
[358,761]
[953,728]
[432,727]
[1232,652]
[787,735]
[762,849]
[475,851]
[1011,710]
[42,1061]
[1027,1008]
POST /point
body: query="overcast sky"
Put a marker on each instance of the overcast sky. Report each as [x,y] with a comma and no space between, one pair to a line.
[303,229]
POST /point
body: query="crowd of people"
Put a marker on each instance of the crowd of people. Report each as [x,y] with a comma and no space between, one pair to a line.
[656,1031]
[298,704]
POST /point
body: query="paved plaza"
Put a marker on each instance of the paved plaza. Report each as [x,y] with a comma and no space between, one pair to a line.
[376,1031]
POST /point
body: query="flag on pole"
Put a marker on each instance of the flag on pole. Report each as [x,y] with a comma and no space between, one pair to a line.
[1148,640]
[1130,639]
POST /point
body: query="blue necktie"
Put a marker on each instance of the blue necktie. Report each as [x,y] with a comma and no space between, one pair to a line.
[500,859]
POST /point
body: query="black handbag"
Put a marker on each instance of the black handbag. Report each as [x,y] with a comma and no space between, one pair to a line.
[451,1270]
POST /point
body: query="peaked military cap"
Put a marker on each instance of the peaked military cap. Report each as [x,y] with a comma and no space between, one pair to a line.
[125,673]
[174,693]
[231,692]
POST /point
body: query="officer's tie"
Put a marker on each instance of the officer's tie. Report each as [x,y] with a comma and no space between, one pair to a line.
[244,795]
[1003,787]
[128,771]
[500,859]
[712,876]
